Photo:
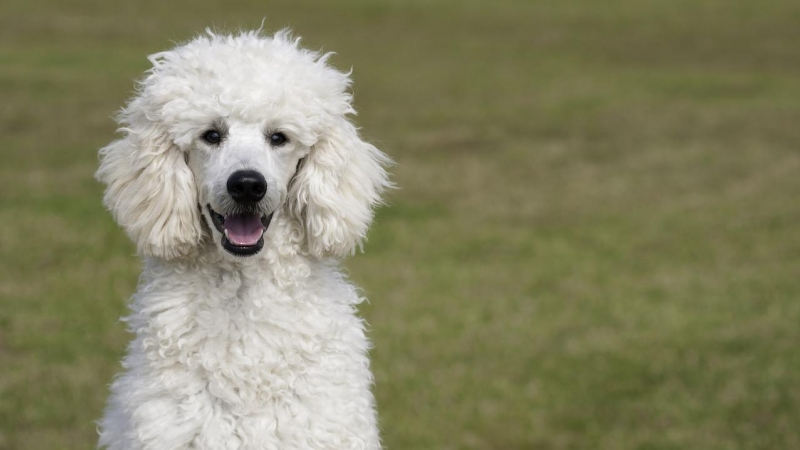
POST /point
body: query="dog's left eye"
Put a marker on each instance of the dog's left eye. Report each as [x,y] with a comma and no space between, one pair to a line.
[277,139]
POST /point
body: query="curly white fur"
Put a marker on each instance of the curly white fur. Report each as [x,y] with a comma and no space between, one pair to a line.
[231,352]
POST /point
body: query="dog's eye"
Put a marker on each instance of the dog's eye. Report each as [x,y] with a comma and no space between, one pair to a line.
[212,137]
[277,139]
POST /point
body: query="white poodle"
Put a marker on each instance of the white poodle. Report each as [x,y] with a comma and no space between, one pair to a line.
[242,183]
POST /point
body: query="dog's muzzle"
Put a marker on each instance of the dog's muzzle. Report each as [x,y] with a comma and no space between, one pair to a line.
[243,228]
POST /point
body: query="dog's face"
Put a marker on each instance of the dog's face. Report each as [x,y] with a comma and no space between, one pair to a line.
[243,170]
[225,133]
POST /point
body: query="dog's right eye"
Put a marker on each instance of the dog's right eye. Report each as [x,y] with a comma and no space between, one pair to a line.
[212,137]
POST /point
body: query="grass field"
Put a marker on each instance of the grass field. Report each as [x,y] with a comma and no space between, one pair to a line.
[596,243]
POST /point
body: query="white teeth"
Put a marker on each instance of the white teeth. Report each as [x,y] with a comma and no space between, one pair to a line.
[225,231]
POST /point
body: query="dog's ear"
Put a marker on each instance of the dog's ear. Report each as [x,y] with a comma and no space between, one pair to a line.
[151,192]
[335,190]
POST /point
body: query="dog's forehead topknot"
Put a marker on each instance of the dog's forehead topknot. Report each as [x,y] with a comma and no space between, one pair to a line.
[250,56]
[214,47]
[250,76]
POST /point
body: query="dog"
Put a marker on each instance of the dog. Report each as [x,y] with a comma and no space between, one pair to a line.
[243,183]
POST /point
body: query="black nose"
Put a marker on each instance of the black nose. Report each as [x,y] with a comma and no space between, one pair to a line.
[247,186]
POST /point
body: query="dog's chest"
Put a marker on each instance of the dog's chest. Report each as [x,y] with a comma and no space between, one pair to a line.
[255,348]
[218,362]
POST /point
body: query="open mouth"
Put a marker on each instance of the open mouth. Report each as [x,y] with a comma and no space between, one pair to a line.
[242,233]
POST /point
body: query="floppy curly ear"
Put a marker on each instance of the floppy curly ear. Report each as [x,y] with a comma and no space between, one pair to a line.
[151,192]
[335,190]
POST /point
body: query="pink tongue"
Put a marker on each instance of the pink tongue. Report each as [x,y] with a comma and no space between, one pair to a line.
[244,230]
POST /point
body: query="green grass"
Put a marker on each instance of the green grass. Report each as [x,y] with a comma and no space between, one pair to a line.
[595,244]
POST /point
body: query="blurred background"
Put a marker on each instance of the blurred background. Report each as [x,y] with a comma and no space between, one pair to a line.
[595,243]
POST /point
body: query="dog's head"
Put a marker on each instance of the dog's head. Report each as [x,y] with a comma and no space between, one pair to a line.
[230,131]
